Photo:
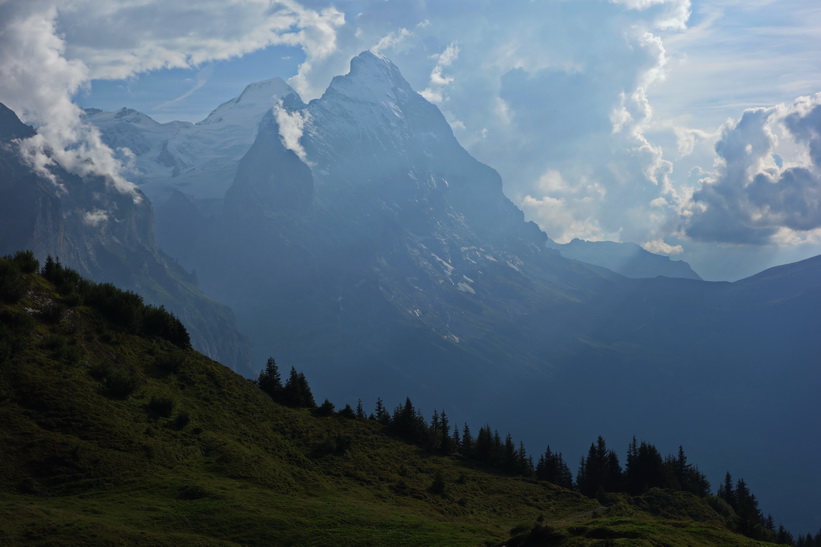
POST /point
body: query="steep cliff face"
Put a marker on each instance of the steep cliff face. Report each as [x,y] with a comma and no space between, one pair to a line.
[270,181]
[107,235]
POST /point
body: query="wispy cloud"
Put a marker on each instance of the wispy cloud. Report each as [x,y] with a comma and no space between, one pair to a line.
[203,76]
[438,80]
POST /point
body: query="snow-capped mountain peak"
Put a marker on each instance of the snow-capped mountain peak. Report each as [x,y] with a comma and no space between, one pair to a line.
[251,104]
[198,159]
[372,78]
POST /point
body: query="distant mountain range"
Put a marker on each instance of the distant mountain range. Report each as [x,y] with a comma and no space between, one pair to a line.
[627,259]
[372,251]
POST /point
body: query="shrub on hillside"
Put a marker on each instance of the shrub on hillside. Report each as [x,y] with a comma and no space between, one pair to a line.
[161,406]
[117,382]
[26,261]
[173,361]
[12,282]
[182,420]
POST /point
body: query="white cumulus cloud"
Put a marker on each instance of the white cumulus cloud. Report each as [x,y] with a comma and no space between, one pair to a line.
[291,126]
[756,196]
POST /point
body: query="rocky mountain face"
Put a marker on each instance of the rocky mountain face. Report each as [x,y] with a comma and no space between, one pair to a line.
[374,253]
[388,235]
[107,235]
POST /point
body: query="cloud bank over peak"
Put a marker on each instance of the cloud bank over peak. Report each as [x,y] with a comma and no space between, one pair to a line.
[759,194]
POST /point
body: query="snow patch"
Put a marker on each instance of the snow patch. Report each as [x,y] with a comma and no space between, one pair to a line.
[448,267]
[464,287]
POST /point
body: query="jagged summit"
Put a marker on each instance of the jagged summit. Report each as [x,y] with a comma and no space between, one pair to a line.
[253,102]
[371,77]
[133,116]
[373,110]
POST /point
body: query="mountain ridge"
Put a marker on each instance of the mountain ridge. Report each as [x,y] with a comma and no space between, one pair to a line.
[627,259]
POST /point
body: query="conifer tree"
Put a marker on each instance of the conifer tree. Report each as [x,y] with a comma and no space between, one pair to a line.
[381,413]
[751,522]
[296,392]
[726,491]
[408,424]
[347,412]
[552,468]
[446,444]
[269,380]
[468,448]
[509,461]
[599,471]
[644,469]
[484,445]
[456,438]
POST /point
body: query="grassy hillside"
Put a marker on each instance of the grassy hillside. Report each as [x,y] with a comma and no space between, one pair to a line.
[110,437]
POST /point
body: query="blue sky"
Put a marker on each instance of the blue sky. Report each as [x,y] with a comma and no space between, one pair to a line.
[626,120]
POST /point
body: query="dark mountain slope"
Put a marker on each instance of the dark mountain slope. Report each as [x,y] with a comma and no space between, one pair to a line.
[107,235]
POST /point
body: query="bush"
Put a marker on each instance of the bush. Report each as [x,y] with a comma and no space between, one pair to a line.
[53,313]
[161,406]
[438,484]
[26,261]
[337,444]
[162,323]
[13,283]
[117,383]
[71,355]
[172,361]
[66,280]
[347,412]
[325,409]
[55,342]
[123,308]
[15,328]
[182,420]
[120,384]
